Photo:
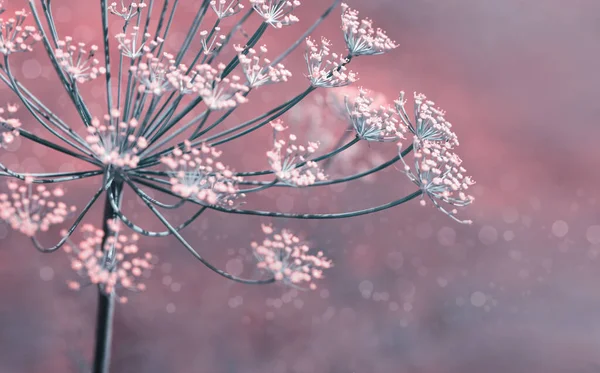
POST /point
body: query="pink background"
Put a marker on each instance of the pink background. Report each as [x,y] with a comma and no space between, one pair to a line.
[519,81]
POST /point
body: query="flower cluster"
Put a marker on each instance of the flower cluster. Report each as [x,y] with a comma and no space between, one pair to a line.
[429,122]
[127,12]
[152,74]
[9,126]
[361,38]
[114,142]
[197,174]
[440,176]
[112,262]
[211,41]
[14,37]
[285,256]
[373,124]
[133,46]
[30,209]
[277,13]
[79,63]
[258,70]
[226,8]
[219,93]
[291,163]
[325,72]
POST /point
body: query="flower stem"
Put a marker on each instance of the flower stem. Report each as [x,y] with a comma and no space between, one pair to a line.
[106,302]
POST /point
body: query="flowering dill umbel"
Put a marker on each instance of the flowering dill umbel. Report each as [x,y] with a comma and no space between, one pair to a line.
[361,38]
[326,69]
[287,257]
[197,174]
[77,61]
[168,109]
[291,162]
[438,173]
[373,124]
[114,262]
[14,36]
[277,13]
[429,123]
[258,70]
[32,208]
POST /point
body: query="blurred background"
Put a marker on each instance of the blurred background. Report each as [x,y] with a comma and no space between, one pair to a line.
[411,291]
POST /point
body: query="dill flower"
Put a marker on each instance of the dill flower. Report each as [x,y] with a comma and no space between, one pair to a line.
[9,126]
[79,63]
[14,37]
[219,93]
[30,209]
[323,71]
[285,256]
[212,41]
[429,123]
[258,70]
[440,176]
[361,38]
[153,74]
[373,124]
[226,8]
[127,12]
[113,262]
[277,13]
[114,141]
[291,163]
[197,174]
[133,46]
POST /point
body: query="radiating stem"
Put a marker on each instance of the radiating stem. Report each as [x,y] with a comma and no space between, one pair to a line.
[106,302]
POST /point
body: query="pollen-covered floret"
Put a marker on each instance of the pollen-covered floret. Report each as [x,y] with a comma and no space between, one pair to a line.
[440,176]
[361,38]
[287,258]
[326,69]
[291,162]
[32,208]
[197,174]
[112,263]
[277,13]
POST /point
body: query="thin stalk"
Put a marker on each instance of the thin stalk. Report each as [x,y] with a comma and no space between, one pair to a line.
[106,302]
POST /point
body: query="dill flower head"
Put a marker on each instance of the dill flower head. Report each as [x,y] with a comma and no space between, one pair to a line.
[113,262]
[226,8]
[77,61]
[429,123]
[326,69]
[291,163]
[114,142]
[197,174]
[9,126]
[135,45]
[211,41]
[285,256]
[258,70]
[32,208]
[127,12]
[361,38]
[373,124]
[14,37]
[152,74]
[219,93]
[440,176]
[277,13]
